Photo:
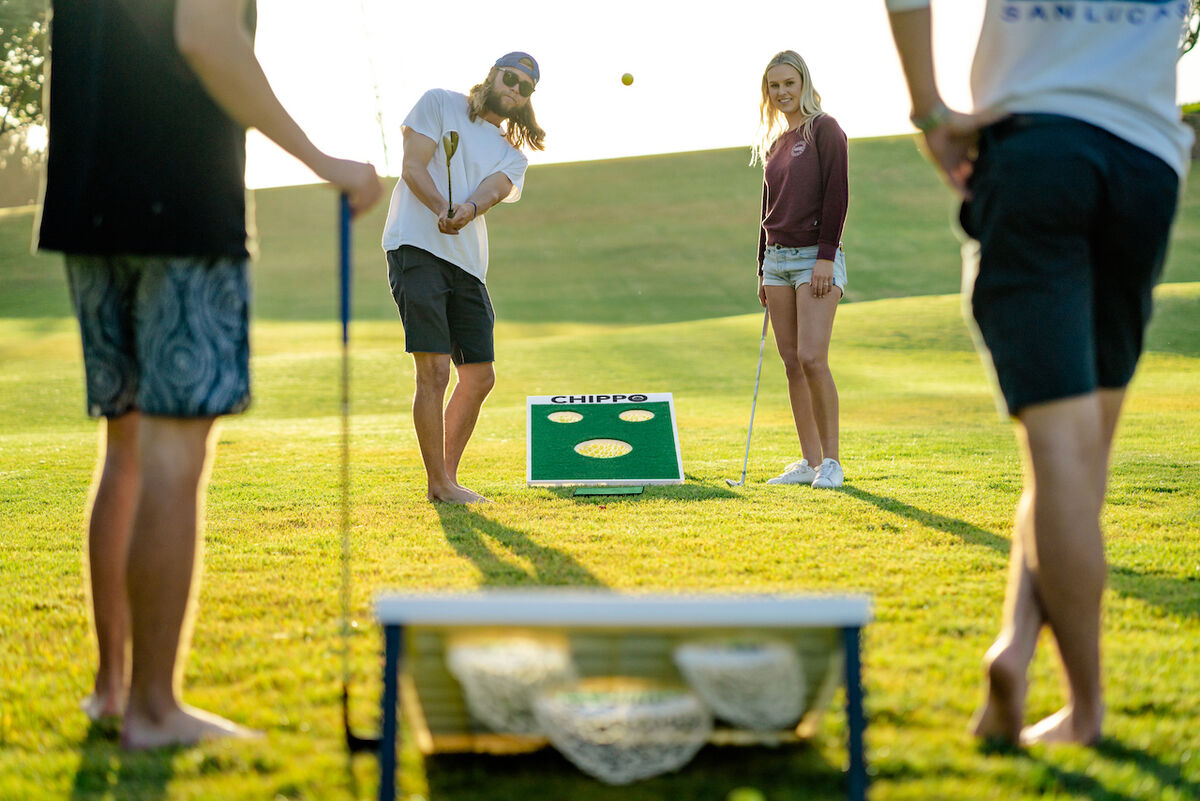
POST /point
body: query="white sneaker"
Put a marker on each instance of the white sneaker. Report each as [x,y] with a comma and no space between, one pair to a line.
[795,473]
[829,475]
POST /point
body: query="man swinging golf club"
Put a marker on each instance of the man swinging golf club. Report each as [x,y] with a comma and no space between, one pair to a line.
[468,147]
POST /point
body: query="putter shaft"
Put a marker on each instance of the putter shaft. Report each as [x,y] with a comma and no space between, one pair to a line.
[754,404]
[450,146]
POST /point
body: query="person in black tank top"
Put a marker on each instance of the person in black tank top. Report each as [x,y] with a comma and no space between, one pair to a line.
[144,194]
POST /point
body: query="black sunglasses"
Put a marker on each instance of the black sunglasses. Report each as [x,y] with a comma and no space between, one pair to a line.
[512,79]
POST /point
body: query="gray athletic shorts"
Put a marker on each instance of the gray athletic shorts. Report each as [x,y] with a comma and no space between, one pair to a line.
[444,308]
[168,336]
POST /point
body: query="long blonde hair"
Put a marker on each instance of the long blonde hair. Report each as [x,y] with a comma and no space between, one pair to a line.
[772,121]
[520,129]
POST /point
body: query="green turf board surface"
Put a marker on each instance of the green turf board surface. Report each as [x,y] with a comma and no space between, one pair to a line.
[586,491]
[653,456]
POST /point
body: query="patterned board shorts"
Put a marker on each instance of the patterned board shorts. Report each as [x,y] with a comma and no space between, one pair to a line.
[168,336]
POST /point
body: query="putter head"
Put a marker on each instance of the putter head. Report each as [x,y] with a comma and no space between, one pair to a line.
[450,144]
[354,743]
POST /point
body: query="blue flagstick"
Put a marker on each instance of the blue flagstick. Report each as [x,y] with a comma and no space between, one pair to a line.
[344,242]
[354,743]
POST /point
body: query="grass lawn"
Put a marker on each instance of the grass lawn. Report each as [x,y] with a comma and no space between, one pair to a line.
[642,283]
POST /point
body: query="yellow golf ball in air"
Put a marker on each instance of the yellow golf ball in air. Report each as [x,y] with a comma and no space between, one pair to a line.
[745,794]
[627,79]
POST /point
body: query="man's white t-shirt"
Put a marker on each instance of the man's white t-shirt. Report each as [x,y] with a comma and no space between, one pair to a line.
[1111,63]
[482,151]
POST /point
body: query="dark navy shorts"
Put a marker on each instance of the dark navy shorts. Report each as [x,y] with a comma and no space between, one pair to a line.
[444,308]
[168,336]
[1072,224]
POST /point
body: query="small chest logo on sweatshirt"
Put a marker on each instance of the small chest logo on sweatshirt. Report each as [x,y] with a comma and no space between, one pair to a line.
[799,148]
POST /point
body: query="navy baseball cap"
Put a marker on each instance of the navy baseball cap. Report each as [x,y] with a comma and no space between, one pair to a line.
[521,61]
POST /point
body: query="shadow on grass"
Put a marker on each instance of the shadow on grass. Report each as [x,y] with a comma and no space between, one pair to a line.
[949,525]
[692,490]
[696,490]
[105,771]
[710,776]
[466,531]
[1080,785]
[1176,596]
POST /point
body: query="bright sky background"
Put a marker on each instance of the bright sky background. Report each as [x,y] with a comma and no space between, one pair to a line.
[338,64]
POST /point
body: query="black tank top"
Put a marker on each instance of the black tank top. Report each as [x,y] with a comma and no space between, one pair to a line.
[141,160]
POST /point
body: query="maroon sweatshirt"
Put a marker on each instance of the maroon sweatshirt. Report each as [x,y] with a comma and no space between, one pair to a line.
[806,190]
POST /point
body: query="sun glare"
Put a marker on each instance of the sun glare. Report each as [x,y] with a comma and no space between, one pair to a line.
[353,99]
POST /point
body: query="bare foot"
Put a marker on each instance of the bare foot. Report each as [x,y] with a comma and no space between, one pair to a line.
[1002,713]
[1062,727]
[456,494]
[184,725]
[103,707]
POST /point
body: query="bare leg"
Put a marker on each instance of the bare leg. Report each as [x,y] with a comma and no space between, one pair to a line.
[161,577]
[814,325]
[781,303]
[1067,445]
[1006,663]
[432,378]
[110,521]
[475,381]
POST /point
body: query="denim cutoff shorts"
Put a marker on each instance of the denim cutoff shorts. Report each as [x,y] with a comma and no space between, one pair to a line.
[783,266]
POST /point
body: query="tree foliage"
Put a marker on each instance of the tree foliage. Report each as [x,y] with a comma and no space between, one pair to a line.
[23,53]
[1191,30]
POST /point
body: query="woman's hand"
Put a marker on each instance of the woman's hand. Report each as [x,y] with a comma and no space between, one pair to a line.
[762,293]
[821,283]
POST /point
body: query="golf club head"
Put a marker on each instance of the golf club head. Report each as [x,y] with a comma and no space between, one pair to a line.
[354,743]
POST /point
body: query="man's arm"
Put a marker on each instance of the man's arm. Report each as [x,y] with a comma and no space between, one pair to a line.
[912,30]
[949,136]
[491,190]
[419,150]
[212,38]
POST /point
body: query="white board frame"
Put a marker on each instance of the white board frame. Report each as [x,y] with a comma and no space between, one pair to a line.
[600,398]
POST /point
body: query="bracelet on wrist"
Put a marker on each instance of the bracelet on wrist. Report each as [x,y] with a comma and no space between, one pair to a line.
[935,117]
[472,202]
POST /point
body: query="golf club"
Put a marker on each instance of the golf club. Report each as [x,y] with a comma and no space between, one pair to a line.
[450,145]
[354,743]
[758,374]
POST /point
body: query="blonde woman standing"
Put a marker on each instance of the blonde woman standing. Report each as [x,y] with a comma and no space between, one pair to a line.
[801,267]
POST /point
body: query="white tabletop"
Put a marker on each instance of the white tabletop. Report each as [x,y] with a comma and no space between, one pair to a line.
[600,609]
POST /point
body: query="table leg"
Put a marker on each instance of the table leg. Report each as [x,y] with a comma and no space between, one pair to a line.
[856,779]
[388,744]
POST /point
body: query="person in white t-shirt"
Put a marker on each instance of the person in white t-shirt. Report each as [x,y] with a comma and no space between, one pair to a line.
[1069,169]
[462,155]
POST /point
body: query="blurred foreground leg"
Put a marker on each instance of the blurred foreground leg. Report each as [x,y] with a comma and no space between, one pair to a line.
[162,576]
